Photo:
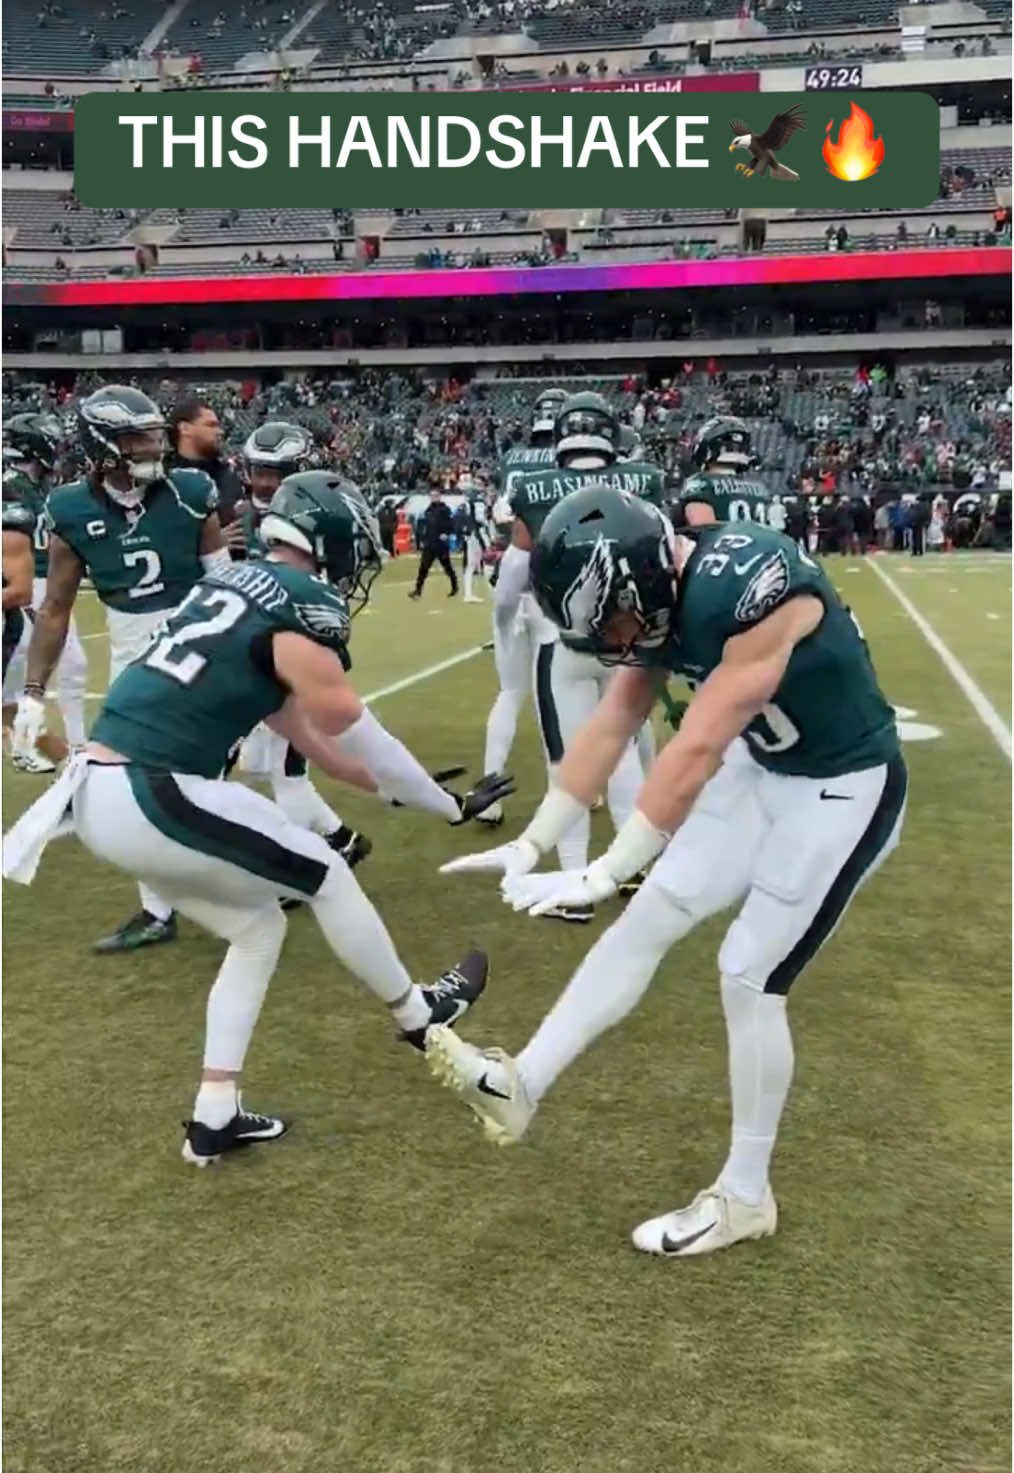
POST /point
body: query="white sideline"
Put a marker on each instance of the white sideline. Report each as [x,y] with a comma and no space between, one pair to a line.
[976,697]
[373,695]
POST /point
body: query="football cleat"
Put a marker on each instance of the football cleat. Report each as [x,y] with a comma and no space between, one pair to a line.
[493,815]
[144,929]
[626,888]
[577,915]
[715,1219]
[353,848]
[30,759]
[451,995]
[487,1080]
[203,1145]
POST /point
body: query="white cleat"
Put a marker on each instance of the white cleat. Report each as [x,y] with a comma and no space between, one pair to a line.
[30,759]
[486,1079]
[493,815]
[470,598]
[715,1219]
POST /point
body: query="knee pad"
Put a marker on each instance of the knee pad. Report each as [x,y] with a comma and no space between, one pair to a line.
[263,934]
[755,944]
[656,917]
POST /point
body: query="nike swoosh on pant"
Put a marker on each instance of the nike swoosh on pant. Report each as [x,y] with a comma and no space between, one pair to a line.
[837,797]
[677,1245]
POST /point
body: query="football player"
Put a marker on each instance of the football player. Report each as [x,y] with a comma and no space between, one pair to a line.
[515,638]
[719,491]
[568,685]
[31,447]
[143,536]
[782,792]
[274,452]
[18,568]
[263,640]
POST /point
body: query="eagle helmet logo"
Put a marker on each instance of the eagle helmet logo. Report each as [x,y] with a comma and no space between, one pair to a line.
[584,603]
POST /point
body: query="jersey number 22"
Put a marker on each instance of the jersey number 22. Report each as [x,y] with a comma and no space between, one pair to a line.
[171,655]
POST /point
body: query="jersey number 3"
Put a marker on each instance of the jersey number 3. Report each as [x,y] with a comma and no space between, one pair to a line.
[171,656]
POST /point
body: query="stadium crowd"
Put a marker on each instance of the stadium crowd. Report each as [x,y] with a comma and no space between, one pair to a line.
[827,435]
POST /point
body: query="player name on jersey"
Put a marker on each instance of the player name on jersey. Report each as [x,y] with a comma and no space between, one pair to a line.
[731,498]
[536,493]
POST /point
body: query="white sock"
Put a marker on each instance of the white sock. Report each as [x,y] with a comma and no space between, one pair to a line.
[153,903]
[234,1002]
[468,582]
[501,726]
[572,849]
[610,981]
[359,939]
[760,1072]
[299,801]
[624,786]
[216,1103]
[646,746]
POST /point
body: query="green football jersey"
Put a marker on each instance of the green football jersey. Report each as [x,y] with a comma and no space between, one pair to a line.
[17,487]
[828,716]
[139,560]
[521,460]
[208,677]
[731,498]
[536,493]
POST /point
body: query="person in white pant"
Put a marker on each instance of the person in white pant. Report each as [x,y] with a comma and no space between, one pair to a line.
[516,620]
[476,541]
[259,640]
[31,448]
[144,537]
[782,791]
[276,451]
[569,685]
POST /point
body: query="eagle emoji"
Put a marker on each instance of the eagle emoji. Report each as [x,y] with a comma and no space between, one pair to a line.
[762,147]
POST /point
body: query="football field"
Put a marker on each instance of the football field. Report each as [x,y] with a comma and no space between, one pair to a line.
[382,1292]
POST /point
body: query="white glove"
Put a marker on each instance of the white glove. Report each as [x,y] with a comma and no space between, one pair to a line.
[29,724]
[538,893]
[516,858]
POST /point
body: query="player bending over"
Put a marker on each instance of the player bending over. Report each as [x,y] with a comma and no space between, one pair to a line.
[782,791]
[253,641]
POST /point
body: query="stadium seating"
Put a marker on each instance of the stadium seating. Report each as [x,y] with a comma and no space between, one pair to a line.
[74,36]
[222,31]
[52,221]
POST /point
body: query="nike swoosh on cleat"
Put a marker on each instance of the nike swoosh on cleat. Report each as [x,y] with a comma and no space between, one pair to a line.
[838,797]
[487,1089]
[677,1245]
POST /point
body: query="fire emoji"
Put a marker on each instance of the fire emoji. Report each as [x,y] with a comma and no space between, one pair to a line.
[857,154]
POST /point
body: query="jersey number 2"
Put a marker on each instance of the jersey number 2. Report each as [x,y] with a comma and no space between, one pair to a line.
[170,656]
[149,581]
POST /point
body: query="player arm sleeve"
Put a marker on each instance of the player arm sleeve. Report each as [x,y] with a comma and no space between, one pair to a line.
[395,771]
[510,585]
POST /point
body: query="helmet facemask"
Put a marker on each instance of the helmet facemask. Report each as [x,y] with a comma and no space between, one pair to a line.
[586,435]
[134,455]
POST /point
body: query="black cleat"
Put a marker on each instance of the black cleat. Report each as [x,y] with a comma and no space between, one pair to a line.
[414,593]
[144,929]
[353,848]
[453,993]
[578,915]
[630,887]
[204,1145]
[454,592]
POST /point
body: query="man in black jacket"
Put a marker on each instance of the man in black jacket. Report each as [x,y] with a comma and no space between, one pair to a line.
[196,437]
[435,542]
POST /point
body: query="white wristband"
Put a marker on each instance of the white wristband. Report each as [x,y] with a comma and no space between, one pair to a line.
[217,561]
[635,846]
[557,812]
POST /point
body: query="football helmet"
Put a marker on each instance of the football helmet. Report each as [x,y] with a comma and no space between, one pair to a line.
[121,429]
[586,425]
[723,440]
[32,437]
[273,451]
[327,517]
[602,554]
[544,414]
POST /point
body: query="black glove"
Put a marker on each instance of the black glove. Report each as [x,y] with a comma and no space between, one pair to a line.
[487,791]
[445,775]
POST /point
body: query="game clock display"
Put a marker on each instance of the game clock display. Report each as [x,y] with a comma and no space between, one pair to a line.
[832,78]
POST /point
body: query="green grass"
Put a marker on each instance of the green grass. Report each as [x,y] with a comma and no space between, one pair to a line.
[382,1293]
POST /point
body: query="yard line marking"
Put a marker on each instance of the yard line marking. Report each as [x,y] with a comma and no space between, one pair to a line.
[976,697]
[424,674]
[102,634]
